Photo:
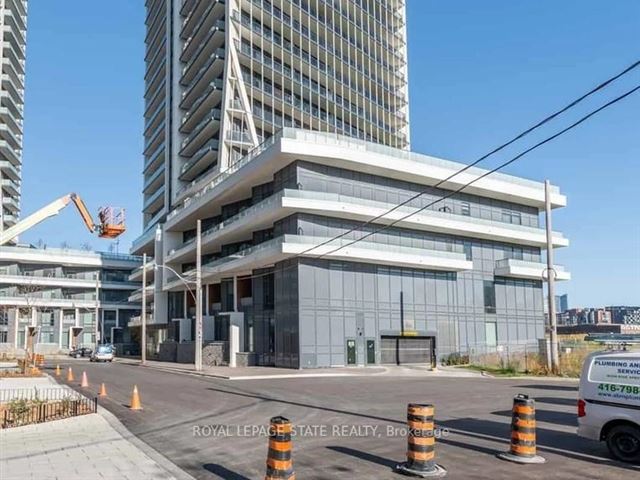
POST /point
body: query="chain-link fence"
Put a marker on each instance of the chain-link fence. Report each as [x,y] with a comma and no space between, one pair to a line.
[525,358]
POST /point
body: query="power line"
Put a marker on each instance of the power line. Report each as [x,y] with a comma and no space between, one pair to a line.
[489,172]
[499,167]
[467,167]
[484,157]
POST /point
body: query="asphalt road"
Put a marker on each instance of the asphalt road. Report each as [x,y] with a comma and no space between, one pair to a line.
[347,427]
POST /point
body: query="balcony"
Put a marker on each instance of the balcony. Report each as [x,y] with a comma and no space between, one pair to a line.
[155,138]
[15,124]
[288,246]
[154,159]
[11,187]
[63,281]
[212,42]
[195,13]
[203,131]
[211,98]
[11,204]
[212,69]
[136,275]
[10,170]
[154,201]
[513,268]
[136,296]
[203,158]
[144,242]
[10,153]
[153,181]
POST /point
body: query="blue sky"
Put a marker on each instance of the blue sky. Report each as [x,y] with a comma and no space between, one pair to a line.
[480,72]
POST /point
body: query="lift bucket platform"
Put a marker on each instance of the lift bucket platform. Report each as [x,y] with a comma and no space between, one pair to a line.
[111,222]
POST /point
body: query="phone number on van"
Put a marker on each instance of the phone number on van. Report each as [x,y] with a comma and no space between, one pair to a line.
[607,387]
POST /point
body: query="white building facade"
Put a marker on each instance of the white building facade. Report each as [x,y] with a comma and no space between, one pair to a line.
[61,292]
[13,35]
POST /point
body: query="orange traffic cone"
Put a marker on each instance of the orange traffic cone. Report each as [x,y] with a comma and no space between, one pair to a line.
[85,381]
[135,399]
[103,391]
[70,375]
[58,373]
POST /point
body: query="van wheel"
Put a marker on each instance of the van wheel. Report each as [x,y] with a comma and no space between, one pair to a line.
[624,443]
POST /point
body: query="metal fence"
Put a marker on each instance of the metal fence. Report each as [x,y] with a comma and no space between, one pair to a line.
[36,393]
[523,357]
[25,414]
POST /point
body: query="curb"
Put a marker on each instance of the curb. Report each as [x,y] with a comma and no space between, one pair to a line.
[180,371]
[113,421]
[151,452]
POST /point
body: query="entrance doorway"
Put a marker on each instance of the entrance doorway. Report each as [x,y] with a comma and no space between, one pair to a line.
[371,352]
[351,351]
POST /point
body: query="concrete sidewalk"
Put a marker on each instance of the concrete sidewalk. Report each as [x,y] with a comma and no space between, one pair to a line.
[263,373]
[74,448]
[79,448]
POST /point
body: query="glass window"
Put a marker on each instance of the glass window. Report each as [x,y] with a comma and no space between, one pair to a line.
[467,250]
[489,296]
[465,208]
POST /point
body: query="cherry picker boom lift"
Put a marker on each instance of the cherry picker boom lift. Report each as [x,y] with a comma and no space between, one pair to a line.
[111,220]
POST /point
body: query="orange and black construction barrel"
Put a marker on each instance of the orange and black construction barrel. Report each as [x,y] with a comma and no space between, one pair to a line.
[421,443]
[279,463]
[523,432]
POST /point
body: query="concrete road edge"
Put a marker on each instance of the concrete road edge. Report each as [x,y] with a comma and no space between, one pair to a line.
[151,452]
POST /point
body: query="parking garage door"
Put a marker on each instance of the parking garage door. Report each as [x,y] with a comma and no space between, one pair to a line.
[406,350]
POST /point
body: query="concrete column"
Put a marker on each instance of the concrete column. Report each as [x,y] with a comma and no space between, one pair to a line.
[117,321]
[77,317]
[206,300]
[234,344]
[185,309]
[16,321]
[34,317]
[60,322]
[235,293]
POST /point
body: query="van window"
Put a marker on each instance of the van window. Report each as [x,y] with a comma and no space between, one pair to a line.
[615,370]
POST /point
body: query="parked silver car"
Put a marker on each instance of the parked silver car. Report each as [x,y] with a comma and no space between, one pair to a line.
[104,353]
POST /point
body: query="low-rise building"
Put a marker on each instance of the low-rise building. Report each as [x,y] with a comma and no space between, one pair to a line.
[61,292]
[585,316]
[625,315]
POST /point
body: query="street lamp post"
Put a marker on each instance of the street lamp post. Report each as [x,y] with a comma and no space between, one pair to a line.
[198,351]
[97,311]
[143,320]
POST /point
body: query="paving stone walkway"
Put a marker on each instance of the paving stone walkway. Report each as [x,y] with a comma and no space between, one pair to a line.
[94,446]
[74,448]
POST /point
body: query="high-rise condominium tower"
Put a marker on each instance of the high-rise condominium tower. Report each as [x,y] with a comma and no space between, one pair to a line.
[13,19]
[282,126]
[224,76]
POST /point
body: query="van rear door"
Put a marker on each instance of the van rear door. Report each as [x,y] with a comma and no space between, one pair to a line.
[613,379]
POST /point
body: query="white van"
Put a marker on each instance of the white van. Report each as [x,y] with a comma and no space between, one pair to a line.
[609,402]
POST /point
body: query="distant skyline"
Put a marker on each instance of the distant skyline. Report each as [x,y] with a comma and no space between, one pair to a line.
[480,72]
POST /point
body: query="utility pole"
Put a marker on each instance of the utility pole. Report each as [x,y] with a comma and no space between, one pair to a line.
[143,315]
[551,280]
[198,359]
[97,311]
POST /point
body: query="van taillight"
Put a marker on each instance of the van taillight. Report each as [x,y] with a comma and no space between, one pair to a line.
[581,408]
